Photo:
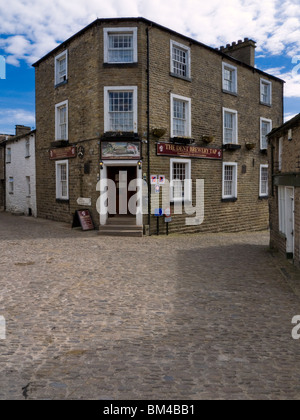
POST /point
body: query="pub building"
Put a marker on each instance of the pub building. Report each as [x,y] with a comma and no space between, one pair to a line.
[127,99]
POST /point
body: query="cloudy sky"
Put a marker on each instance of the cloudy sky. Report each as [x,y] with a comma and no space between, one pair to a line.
[31,28]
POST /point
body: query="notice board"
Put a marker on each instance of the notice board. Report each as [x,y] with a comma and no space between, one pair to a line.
[83,218]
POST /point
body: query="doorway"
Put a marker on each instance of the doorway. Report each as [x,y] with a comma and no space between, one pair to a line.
[289,211]
[122,176]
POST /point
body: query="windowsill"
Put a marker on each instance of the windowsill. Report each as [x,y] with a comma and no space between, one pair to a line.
[28,196]
[62,201]
[231,146]
[7,163]
[264,151]
[27,157]
[60,143]
[61,84]
[229,200]
[11,193]
[187,79]
[229,92]
[188,201]
[120,65]
[263,197]
[265,104]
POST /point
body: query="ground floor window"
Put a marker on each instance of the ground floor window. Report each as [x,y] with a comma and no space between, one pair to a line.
[11,185]
[62,180]
[229,187]
[263,184]
[180,178]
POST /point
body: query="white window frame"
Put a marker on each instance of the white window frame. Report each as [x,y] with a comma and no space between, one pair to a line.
[262,83]
[235,174]
[188,101]
[280,151]
[8,155]
[107,90]
[262,120]
[187,50]
[27,148]
[235,126]
[125,31]
[233,69]
[261,194]
[11,185]
[28,186]
[57,79]
[187,185]
[57,122]
[58,165]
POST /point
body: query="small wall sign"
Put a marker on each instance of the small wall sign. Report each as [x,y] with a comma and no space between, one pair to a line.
[63,153]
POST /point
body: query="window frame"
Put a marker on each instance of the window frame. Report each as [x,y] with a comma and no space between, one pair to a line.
[188,129]
[58,180]
[8,155]
[235,79]
[27,148]
[125,30]
[188,172]
[262,120]
[107,90]
[235,128]
[266,82]
[11,187]
[28,186]
[57,122]
[235,181]
[261,194]
[57,59]
[187,50]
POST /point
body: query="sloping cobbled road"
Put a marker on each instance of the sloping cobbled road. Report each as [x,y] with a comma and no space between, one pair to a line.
[189,317]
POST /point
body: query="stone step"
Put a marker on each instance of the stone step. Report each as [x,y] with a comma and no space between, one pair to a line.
[121,221]
[137,233]
[120,227]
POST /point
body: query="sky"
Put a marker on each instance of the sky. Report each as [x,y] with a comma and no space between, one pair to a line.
[29,29]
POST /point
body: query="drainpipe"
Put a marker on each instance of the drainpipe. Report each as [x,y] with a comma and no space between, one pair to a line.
[148,129]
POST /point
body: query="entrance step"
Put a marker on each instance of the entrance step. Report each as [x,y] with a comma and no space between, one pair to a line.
[121,226]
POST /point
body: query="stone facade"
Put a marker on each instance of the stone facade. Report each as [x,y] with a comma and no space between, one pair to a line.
[20,172]
[199,87]
[284,176]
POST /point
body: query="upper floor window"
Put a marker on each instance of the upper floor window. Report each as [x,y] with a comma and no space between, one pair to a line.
[265,128]
[230,126]
[229,78]
[27,148]
[120,45]
[265,92]
[11,185]
[8,155]
[120,108]
[61,68]
[61,121]
[180,60]
[181,116]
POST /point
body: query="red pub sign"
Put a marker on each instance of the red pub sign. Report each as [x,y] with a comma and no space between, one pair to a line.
[169,149]
[63,153]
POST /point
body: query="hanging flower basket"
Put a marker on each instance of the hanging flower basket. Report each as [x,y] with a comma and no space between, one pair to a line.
[208,139]
[159,132]
[250,146]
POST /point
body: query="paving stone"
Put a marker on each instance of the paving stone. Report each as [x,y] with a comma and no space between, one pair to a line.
[179,317]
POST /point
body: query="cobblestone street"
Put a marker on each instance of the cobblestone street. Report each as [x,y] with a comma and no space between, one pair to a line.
[179,317]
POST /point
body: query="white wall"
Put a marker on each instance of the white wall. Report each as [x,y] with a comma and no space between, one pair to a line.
[20,168]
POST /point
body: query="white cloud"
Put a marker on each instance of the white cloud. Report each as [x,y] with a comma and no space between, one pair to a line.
[34,27]
[10,117]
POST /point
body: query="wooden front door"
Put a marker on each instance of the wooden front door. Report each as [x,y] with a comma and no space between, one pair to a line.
[122,176]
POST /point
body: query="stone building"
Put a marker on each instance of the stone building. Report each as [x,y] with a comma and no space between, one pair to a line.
[128,99]
[284,184]
[20,172]
[3,139]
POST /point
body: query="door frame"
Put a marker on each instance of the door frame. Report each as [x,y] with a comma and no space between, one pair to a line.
[103,175]
[290,241]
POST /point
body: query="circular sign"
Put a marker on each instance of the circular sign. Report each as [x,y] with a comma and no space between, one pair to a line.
[168,212]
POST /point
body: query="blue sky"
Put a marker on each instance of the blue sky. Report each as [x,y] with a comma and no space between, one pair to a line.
[31,28]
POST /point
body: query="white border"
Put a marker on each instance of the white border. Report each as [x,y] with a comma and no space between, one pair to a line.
[128,30]
[108,89]
[235,165]
[231,111]
[55,66]
[188,117]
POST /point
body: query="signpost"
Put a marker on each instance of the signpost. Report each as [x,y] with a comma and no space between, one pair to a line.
[158,213]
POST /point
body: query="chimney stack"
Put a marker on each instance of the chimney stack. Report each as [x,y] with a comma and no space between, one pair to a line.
[21,129]
[242,50]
